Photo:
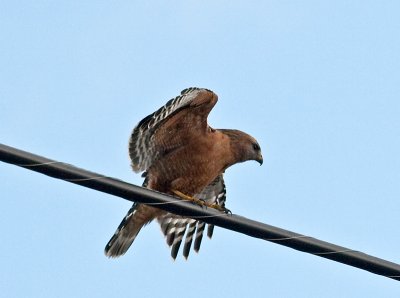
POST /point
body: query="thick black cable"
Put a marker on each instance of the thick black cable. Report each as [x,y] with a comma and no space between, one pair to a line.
[236,223]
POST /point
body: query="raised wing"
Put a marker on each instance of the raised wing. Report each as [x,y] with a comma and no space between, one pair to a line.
[170,127]
[174,226]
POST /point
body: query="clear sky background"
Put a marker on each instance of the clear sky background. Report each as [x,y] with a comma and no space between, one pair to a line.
[316,82]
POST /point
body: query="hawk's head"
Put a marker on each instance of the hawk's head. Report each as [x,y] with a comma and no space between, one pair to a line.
[243,146]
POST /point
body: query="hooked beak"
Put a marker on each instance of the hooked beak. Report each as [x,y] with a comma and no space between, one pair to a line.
[260,159]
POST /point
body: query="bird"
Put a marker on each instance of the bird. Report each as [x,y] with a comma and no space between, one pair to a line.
[179,154]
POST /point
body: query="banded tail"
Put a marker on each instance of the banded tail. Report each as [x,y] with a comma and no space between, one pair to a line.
[124,235]
[138,216]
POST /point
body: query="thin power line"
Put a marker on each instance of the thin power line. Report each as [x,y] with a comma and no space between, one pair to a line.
[236,223]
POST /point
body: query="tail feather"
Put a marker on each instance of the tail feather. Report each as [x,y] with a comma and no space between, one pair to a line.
[137,217]
[123,236]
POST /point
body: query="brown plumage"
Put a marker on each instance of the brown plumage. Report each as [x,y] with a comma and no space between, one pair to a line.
[178,150]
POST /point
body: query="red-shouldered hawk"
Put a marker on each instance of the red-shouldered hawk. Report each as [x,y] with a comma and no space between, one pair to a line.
[180,153]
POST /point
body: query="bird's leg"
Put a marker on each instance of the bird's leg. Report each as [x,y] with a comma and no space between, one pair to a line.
[220,208]
[199,202]
[189,198]
[224,209]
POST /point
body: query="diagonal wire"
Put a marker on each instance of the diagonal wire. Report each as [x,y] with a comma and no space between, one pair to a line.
[236,223]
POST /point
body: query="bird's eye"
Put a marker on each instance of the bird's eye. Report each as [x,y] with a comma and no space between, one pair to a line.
[256,147]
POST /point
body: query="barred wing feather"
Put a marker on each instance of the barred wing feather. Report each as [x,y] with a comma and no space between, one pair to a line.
[174,227]
[143,149]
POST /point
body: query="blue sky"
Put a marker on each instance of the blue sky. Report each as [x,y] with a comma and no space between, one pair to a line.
[316,82]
